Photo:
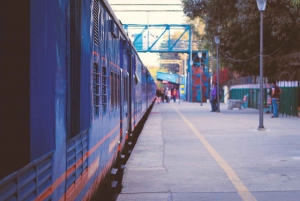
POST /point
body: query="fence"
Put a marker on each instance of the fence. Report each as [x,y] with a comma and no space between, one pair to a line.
[244,80]
[289,99]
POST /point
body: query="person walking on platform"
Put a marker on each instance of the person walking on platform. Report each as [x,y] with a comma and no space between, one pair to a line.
[168,95]
[276,91]
[174,94]
[158,96]
[162,94]
[213,98]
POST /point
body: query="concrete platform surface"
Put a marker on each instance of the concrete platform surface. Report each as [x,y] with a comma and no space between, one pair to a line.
[187,153]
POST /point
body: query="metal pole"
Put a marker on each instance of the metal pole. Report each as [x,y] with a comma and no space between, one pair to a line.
[200,84]
[218,98]
[261,125]
[187,94]
[148,30]
[178,91]
[190,65]
[184,79]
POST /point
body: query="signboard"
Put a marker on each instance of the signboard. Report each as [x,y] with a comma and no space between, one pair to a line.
[182,89]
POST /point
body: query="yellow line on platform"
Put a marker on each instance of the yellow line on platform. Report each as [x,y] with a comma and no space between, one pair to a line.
[238,184]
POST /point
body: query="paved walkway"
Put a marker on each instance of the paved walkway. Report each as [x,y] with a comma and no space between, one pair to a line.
[186,153]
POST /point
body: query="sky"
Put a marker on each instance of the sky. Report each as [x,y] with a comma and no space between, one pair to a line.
[145,17]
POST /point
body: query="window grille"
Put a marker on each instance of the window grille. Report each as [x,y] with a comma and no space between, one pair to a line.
[96,90]
[96,21]
[116,89]
[104,90]
[112,90]
[118,92]
[126,89]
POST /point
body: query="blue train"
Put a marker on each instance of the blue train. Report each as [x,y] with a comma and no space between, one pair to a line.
[73,89]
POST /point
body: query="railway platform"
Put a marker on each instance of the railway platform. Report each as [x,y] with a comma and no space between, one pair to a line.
[187,153]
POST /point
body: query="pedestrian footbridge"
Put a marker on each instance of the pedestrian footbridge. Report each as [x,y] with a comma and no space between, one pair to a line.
[170,78]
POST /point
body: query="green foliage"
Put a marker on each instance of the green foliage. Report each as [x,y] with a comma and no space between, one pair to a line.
[295,3]
[237,22]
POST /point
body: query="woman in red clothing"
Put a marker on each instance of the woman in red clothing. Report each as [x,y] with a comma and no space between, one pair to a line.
[174,94]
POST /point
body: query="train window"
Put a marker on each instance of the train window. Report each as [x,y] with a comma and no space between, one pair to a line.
[96,90]
[96,21]
[119,88]
[116,90]
[126,89]
[112,89]
[104,90]
[114,29]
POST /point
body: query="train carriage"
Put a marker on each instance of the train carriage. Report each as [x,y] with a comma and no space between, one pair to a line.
[74,89]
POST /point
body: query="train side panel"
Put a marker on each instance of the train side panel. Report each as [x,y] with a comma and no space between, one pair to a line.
[88,91]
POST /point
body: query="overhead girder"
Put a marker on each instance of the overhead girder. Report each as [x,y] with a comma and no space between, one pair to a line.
[144,41]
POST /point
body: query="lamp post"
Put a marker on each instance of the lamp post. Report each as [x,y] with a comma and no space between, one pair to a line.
[200,56]
[217,41]
[261,4]
[190,88]
[178,82]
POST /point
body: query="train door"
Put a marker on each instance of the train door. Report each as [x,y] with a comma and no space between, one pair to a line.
[124,106]
[130,92]
[121,106]
[126,102]
[125,65]
[147,89]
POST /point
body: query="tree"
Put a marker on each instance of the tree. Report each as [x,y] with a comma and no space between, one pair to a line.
[237,24]
[295,2]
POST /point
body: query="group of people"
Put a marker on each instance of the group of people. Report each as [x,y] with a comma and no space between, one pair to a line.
[165,95]
[274,94]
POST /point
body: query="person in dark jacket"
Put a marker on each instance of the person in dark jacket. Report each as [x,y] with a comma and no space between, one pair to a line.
[158,96]
[213,98]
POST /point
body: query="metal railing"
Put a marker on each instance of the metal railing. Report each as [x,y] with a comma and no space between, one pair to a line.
[29,182]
